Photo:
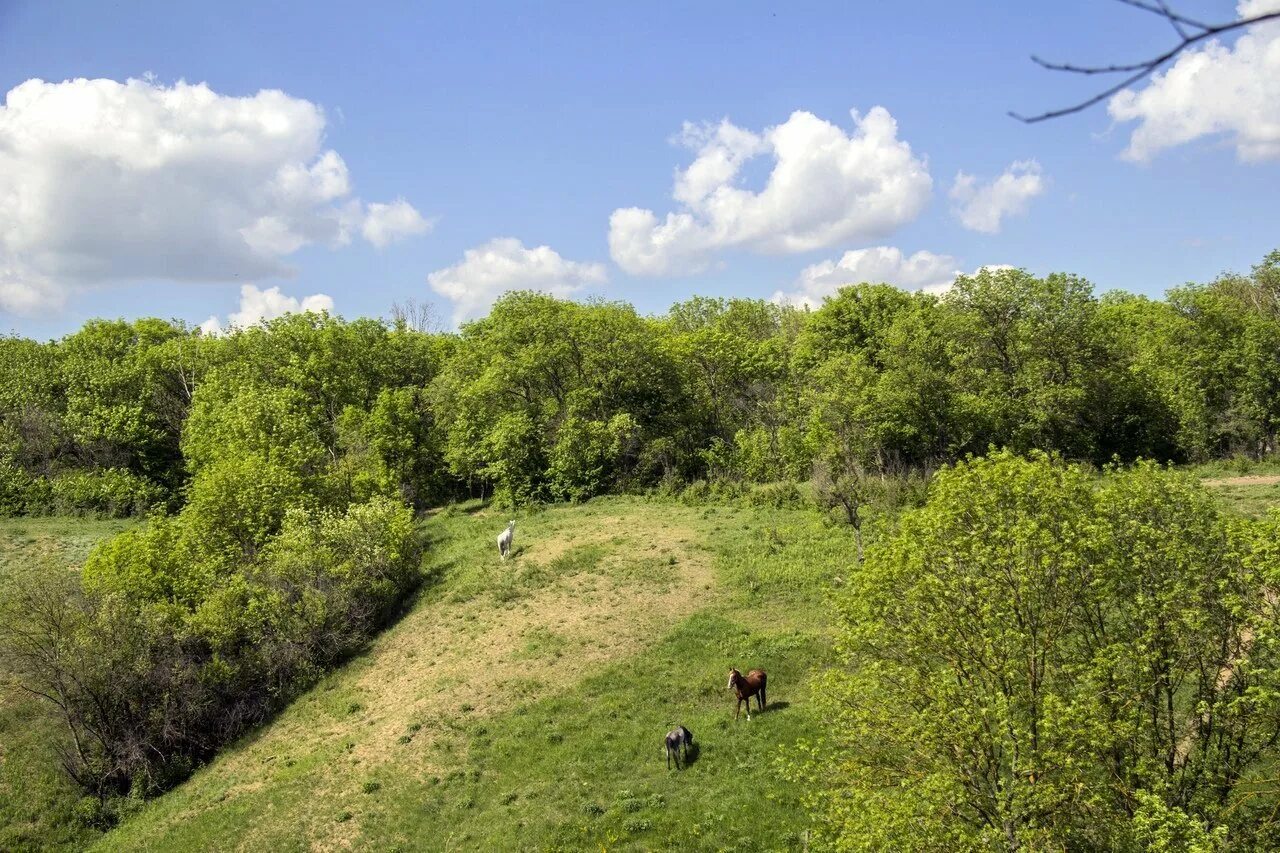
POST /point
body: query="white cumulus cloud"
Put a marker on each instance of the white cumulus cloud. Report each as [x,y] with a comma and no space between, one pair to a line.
[257,306]
[1233,92]
[881,264]
[826,186]
[983,206]
[490,270]
[1220,91]
[103,181]
[923,270]
[386,223]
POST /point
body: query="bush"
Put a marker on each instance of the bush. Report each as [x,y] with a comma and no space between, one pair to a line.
[168,651]
[112,492]
[785,495]
[15,486]
[1036,650]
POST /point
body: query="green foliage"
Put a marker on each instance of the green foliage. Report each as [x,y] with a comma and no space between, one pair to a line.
[187,630]
[546,399]
[1161,828]
[108,492]
[1031,651]
[549,398]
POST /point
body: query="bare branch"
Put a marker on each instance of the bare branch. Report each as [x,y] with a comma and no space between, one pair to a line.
[417,316]
[1174,20]
[1161,9]
[1181,24]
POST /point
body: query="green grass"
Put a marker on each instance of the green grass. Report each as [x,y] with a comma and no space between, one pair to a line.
[57,539]
[1252,500]
[1236,466]
[37,799]
[1251,493]
[523,704]
[517,704]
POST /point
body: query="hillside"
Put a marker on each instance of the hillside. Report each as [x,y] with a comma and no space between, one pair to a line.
[520,700]
[527,700]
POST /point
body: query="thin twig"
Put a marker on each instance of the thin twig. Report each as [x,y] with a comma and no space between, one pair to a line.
[1139,70]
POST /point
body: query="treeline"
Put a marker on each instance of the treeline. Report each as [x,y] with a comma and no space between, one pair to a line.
[549,400]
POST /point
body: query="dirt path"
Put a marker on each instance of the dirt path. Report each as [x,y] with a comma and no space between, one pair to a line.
[1250,480]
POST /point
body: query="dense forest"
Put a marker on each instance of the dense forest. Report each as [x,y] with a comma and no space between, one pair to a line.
[280,469]
[550,400]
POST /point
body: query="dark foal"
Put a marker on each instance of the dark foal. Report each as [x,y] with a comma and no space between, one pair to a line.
[678,739]
[753,684]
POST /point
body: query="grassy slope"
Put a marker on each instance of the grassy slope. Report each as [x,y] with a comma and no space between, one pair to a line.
[36,797]
[523,704]
[515,703]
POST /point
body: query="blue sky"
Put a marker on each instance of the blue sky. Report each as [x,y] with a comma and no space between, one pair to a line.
[537,121]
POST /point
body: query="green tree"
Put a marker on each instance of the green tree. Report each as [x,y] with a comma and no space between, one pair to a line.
[1024,359]
[1032,653]
[538,366]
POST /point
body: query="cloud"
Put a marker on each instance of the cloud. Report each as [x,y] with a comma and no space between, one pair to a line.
[28,295]
[981,207]
[502,264]
[386,223]
[103,182]
[924,270]
[1229,92]
[257,306]
[825,187]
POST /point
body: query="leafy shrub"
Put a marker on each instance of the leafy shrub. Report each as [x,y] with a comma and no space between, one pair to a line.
[1130,696]
[168,651]
[109,492]
[15,487]
[112,492]
[89,811]
[785,495]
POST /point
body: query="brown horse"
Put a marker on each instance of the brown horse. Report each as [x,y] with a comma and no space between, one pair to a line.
[752,685]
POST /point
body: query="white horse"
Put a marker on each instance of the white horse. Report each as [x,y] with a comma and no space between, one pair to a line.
[504,540]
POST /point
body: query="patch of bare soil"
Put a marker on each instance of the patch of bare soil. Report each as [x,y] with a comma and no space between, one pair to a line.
[1250,480]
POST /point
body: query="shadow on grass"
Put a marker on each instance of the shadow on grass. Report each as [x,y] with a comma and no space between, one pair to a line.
[686,757]
[771,708]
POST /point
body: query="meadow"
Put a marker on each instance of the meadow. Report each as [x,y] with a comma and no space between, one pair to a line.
[519,702]
[527,699]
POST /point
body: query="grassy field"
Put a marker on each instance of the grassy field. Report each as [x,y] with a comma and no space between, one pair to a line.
[1251,495]
[523,704]
[36,797]
[518,704]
